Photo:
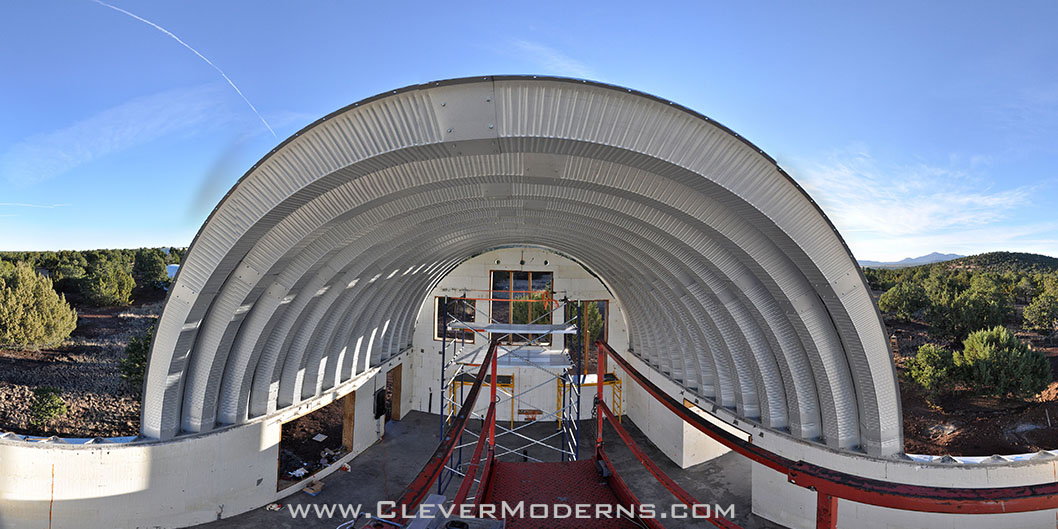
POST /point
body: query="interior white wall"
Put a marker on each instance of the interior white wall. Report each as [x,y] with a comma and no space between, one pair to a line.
[795,507]
[682,443]
[473,279]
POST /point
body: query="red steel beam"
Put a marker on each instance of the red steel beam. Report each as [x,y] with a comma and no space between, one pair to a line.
[600,363]
[493,382]
[902,496]
[486,478]
[472,470]
[659,474]
[420,486]
[623,493]
[826,511]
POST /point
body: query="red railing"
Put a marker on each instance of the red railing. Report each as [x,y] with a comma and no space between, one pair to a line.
[420,486]
[830,485]
[486,436]
[603,411]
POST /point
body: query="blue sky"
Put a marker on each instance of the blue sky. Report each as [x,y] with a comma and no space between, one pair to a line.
[918,126]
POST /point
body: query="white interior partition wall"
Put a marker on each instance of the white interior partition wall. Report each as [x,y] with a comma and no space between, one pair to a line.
[314,266]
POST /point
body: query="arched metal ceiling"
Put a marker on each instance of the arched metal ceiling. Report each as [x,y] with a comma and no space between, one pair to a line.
[313,267]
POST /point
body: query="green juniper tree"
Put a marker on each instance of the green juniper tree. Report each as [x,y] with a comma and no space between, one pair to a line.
[994,362]
[32,314]
[46,406]
[108,282]
[149,270]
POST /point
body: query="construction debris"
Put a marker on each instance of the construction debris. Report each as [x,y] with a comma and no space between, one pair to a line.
[314,488]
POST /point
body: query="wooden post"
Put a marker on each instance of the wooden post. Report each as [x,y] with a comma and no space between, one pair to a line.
[348,414]
[394,412]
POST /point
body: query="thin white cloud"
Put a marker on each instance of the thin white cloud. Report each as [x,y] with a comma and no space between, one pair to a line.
[135,122]
[888,213]
[861,196]
[28,205]
[1041,238]
[551,60]
[200,56]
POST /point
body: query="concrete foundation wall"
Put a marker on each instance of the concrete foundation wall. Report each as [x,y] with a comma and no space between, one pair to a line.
[683,444]
[791,506]
[179,483]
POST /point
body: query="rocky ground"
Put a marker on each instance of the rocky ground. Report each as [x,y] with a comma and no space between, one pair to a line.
[86,370]
[974,426]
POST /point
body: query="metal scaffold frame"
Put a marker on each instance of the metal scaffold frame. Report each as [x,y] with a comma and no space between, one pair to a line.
[456,359]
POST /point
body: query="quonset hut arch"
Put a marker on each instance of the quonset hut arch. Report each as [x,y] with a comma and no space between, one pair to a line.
[312,269]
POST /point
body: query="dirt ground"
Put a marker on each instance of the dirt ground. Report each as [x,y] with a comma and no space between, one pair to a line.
[965,425]
[297,448]
[86,369]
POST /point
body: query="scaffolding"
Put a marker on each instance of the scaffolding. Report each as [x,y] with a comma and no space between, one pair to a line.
[514,342]
[590,381]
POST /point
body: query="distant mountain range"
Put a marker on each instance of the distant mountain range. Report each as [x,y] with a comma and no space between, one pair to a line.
[992,261]
[934,257]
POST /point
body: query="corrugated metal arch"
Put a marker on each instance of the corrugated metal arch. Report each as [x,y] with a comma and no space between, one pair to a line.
[314,265]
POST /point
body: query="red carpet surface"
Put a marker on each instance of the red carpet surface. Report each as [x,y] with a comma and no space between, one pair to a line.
[563,483]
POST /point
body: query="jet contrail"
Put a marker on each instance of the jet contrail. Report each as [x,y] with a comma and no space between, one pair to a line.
[193,50]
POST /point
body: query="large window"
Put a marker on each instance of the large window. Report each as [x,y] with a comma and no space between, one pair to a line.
[459,309]
[520,297]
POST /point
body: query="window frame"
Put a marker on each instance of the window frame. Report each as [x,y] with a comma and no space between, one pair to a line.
[469,336]
[605,318]
[510,300]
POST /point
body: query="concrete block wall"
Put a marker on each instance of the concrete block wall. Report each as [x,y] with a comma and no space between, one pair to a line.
[172,484]
[791,506]
[683,444]
[179,483]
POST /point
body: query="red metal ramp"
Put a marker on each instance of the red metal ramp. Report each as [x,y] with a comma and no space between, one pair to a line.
[551,485]
[560,491]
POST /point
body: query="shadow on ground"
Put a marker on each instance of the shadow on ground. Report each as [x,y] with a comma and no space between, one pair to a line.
[382,472]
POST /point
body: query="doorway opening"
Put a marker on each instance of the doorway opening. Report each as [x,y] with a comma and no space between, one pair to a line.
[393,393]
